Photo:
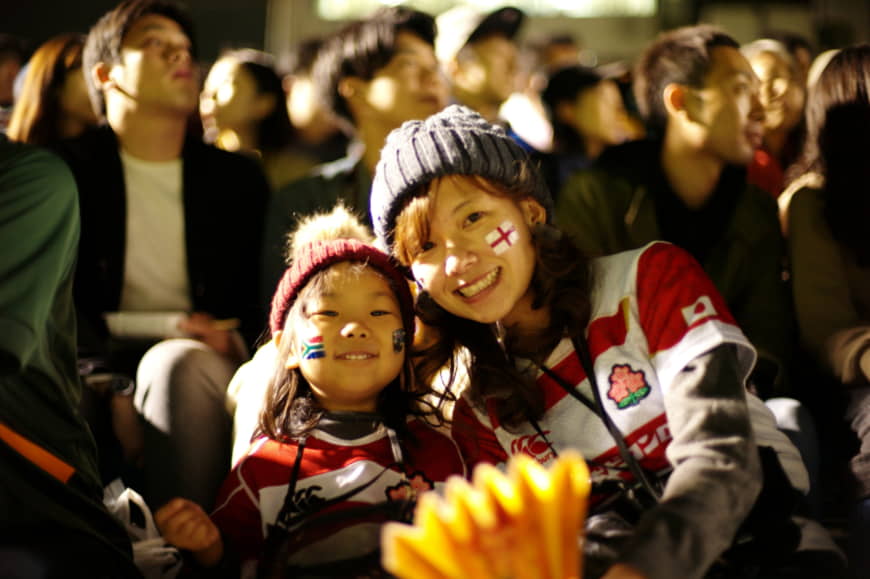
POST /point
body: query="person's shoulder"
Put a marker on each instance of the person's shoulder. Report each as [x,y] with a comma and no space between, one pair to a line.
[37,170]
[90,146]
[616,171]
[654,259]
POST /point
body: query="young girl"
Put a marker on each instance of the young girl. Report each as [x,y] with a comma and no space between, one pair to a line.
[632,359]
[342,428]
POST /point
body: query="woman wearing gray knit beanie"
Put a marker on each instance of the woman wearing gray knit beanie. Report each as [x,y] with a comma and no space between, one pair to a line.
[632,359]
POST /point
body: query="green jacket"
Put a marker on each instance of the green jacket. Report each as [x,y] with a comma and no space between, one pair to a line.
[612,207]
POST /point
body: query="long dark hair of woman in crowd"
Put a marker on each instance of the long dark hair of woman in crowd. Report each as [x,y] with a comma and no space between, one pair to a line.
[838,138]
[53,104]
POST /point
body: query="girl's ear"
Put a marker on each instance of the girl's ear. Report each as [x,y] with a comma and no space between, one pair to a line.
[533,211]
[292,360]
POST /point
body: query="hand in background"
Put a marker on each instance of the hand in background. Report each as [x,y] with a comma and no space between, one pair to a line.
[216,334]
[185,525]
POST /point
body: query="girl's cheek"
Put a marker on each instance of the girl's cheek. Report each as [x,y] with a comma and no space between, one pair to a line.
[502,237]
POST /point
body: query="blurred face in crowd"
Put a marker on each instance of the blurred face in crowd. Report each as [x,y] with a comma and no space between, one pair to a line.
[409,87]
[230,100]
[598,115]
[782,93]
[726,114]
[491,72]
[156,70]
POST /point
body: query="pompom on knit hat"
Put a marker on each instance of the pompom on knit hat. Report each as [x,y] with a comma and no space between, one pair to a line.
[320,255]
[455,141]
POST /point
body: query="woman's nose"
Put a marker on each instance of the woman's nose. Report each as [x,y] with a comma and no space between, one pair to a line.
[458,261]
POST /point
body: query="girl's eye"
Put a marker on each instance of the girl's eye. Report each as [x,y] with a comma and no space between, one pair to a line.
[326,313]
[377,313]
[426,246]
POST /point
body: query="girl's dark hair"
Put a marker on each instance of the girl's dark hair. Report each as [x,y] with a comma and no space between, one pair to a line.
[274,131]
[36,116]
[565,85]
[291,411]
[838,138]
[561,281]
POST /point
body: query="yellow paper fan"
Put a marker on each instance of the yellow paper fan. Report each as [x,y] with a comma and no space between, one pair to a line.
[525,524]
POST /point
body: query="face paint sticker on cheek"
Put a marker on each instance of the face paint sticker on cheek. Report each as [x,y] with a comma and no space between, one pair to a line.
[398,340]
[502,237]
[313,348]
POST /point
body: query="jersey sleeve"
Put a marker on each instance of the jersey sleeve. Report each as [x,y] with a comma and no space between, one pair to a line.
[682,314]
[477,441]
[237,514]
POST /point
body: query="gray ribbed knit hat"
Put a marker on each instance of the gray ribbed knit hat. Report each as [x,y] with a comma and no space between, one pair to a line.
[456,141]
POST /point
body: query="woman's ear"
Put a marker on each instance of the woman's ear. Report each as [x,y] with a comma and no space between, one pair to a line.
[292,360]
[533,211]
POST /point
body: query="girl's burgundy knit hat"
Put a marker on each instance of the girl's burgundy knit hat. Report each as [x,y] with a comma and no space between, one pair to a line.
[321,254]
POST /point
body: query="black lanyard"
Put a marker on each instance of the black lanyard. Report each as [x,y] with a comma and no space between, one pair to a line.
[598,408]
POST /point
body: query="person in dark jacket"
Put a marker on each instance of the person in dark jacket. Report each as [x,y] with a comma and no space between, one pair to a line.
[171,234]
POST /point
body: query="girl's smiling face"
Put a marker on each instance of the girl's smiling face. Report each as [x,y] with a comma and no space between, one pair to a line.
[345,344]
[476,258]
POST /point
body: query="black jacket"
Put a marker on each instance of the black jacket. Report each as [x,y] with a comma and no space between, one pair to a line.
[225,196]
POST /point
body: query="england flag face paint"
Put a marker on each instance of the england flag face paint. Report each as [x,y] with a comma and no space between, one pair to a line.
[313,348]
[502,237]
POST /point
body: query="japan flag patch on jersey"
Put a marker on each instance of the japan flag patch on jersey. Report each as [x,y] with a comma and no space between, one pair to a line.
[701,309]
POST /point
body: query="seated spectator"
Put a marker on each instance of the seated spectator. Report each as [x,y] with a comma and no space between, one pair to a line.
[169,224]
[782,93]
[587,115]
[242,109]
[53,103]
[320,136]
[52,519]
[343,438]
[376,74]
[479,54]
[830,257]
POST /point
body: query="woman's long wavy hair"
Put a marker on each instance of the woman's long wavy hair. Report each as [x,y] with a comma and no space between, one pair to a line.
[838,138]
[291,410]
[561,283]
[36,117]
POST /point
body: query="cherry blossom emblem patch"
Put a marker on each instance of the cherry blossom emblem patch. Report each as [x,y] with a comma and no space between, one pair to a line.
[502,237]
[627,387]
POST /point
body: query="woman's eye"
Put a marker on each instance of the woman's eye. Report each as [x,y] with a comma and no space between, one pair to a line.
[377,313]
[473,217]
[426,246]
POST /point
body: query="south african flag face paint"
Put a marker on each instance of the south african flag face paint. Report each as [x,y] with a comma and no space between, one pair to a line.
[313,348]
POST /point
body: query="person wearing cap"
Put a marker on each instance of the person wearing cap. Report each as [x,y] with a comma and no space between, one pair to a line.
[633,360]
[479,54]
[375,74]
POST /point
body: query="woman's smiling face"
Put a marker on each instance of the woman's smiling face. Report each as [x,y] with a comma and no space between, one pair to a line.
[477,258]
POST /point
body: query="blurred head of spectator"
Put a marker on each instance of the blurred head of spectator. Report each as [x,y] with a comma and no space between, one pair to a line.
[53,103]
[312,120]
[694,87]
[586,111]
[479,54]
[12,56]
[782,91]
[140,55]
[242,103]
[382,71]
